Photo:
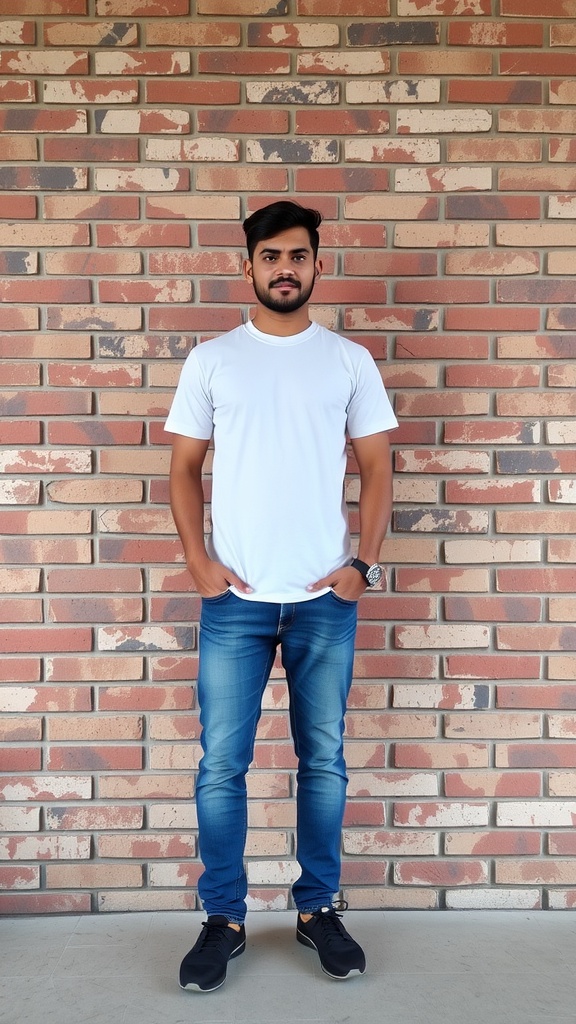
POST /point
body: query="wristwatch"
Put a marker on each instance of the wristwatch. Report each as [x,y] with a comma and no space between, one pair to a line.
[371,573]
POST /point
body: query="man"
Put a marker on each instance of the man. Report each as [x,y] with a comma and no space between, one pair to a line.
[278,395]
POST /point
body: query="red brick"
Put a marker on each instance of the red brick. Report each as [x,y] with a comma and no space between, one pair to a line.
[91,758]
[18,147]
[537,64]
[19,319]
[20,759]
[14,641]
[536,580]
[19,878]
[512,262]
[243,62]
[536,638]
[535,179]
[422,346]
[502,319]
[442,291]
[147,8]
[430,62]
[93,876]
[22,207]
[338,8]
[45,902]
[338,62]
[43,62]
[535,755]
[94,609]
[192,92]
[17,730]
[75,90]
[474,784]
[44,291]
[247,121]
[13,610]
[44,235]
[494,34]
[341,122]
[91,149]
[545,697]
[533,8]
[142,62]
[20,670]
[495,666]
[143,236]
[492,609]
[497,377]
[40,121]
[17,32]
[495,91]
[91,208]
[20,432]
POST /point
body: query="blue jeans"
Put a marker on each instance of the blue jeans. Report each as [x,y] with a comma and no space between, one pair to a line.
[238,641]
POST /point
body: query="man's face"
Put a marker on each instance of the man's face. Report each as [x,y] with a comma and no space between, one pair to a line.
[283,270]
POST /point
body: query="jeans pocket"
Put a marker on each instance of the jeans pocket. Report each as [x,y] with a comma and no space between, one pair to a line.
[342,600]
[217,597]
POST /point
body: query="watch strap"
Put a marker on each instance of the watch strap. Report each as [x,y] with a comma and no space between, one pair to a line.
[361,566]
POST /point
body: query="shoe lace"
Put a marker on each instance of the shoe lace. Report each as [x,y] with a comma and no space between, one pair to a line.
[330,921]
[212,934]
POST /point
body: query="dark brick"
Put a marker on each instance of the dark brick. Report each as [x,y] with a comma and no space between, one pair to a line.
[293,92]
[116,36]
[296,151]
[468,207]
[53,179]
[14,262]
[558,290]
[434,520]
[523,462]
[394,33]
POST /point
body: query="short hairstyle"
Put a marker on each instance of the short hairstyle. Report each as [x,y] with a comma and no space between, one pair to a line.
[281,216]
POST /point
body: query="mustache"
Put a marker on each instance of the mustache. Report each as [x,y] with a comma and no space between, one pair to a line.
[285,280]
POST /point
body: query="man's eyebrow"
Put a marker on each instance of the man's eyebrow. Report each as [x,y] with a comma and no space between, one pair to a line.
[275,252]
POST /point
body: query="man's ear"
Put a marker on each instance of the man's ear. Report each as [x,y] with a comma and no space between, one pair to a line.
[318,268]
[247,270]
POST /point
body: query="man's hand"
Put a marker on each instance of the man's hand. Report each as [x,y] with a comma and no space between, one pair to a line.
[212,578]
[346,582]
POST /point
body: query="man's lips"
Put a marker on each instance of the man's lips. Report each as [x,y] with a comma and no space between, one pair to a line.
[285,284]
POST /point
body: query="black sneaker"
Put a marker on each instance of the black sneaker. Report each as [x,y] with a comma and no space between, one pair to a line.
[203,969]
[340,956]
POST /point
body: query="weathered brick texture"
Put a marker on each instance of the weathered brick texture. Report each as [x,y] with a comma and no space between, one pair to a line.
[438,137]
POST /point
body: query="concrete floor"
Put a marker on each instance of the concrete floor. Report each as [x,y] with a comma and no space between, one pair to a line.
[435,967]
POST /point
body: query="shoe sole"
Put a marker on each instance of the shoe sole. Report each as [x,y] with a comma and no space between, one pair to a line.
[192,986]
[306,941]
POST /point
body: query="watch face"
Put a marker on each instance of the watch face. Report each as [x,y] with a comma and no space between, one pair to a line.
[374,575]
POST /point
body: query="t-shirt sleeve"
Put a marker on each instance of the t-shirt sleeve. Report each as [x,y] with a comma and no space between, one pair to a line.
[191,413]
[369,409]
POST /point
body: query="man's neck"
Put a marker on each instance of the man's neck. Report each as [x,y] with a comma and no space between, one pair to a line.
[281,325]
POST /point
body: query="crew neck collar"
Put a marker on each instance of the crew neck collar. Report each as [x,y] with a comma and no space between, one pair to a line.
[279,341]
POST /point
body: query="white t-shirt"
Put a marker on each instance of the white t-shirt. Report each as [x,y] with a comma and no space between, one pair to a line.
[279,409]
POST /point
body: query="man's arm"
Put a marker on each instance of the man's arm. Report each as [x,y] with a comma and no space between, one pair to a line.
[375,505]
[187,504]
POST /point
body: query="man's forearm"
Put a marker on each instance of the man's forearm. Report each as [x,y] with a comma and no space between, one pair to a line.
[375,508]
[187,504]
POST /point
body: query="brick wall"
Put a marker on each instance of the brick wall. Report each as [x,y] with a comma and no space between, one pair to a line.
[438,138]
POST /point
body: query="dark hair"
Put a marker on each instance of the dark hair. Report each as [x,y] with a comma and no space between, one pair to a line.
[281,216]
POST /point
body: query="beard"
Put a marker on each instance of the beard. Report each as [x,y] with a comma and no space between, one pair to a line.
[283,304]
